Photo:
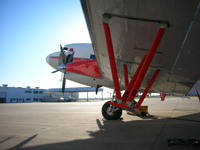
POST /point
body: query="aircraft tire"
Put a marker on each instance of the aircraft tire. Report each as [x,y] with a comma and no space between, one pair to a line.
[110,115]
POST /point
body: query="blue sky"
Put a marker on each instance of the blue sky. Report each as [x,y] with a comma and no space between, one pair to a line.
[32,29]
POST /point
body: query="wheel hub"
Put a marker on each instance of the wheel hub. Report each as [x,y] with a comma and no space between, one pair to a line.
[109,111]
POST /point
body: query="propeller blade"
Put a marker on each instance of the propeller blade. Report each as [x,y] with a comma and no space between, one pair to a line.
[57,70]
[62,54]
[63,84]
[61,77]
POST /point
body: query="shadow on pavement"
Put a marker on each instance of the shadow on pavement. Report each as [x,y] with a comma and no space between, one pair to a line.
[138,134]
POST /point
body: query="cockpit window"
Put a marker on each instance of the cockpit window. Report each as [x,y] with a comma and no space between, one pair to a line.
[65,48]
[92,57]
[69,58]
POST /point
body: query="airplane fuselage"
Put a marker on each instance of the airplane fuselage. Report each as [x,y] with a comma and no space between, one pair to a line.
[83,68]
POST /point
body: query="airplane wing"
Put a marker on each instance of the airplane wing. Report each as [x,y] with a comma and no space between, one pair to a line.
[178,54]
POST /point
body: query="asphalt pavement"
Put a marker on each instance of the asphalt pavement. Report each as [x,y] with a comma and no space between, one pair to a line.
[80,125]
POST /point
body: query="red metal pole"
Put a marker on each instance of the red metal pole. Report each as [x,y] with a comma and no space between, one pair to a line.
[147,89]
[146,64]
[162,96]
[112,60]
[130,86]
[125,75]
[197,93]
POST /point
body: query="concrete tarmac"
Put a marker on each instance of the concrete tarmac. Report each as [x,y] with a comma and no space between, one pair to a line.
[80,125]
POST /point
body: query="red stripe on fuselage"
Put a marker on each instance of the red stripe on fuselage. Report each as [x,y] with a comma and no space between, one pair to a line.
[88,68]
[80,59]
[54,57]
[74,59]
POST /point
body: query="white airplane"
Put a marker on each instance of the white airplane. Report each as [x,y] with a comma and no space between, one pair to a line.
[78,63]
[139,47]
[64,99]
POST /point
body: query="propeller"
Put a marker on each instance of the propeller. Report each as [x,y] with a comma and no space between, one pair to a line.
[63,60]
[63,83]
[62,57]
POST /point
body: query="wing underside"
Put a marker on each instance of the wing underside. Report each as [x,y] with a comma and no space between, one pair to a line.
[178,55]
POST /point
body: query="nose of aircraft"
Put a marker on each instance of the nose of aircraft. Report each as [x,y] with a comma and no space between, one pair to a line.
[47,59]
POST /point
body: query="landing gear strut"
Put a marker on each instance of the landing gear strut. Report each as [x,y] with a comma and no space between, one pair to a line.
[111,112]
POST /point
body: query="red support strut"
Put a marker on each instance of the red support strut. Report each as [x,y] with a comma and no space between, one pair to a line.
[146,64]
[128,89]
[147,89]
[125,75]
[112,60]
[133,87]
[197,94]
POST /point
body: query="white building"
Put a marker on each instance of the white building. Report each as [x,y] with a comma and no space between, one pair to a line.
[21,95]
[28,94]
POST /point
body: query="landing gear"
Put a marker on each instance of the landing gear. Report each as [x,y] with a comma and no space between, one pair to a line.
[111,112]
